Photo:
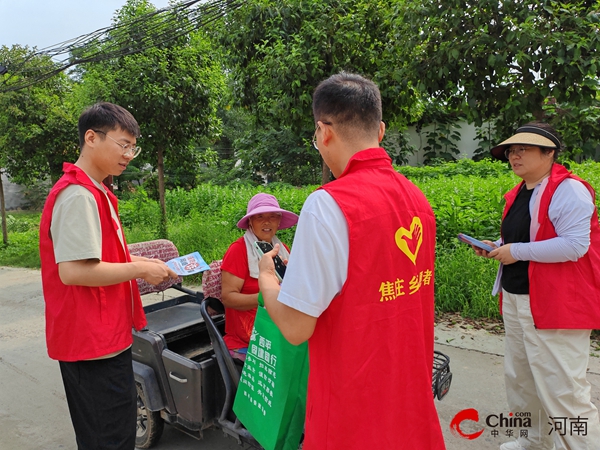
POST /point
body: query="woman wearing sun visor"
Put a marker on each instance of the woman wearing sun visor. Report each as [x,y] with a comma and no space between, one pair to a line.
[549,284]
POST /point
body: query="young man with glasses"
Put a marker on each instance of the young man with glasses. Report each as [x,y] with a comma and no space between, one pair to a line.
[359,286]
[88,280]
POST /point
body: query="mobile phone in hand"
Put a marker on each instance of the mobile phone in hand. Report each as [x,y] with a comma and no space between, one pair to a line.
[264,247]
[472,241]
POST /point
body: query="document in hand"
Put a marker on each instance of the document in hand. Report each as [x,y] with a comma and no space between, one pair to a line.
[188,264]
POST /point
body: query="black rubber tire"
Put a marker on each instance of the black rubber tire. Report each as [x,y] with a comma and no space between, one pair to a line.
[150,425]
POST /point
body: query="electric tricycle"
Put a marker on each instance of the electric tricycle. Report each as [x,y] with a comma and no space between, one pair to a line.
[185,376]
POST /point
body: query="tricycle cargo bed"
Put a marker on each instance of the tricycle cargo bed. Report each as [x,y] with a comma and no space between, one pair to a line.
[175,347]
[181,326]
[175,318]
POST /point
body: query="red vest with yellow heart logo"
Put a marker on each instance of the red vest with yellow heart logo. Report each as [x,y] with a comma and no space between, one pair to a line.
[371,354]
[563,295]
[85,322]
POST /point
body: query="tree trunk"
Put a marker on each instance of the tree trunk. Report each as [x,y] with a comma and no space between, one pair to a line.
[162,229]
[3,213]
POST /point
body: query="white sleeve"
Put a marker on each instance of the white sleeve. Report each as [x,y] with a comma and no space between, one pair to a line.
[318,264]
[570,211]
[75,228]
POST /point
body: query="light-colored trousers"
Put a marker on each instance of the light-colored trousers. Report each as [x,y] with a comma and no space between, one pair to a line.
[545,374]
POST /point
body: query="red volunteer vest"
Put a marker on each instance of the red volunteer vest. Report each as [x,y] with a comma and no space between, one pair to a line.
[371,353]
[566,294]
[87,322]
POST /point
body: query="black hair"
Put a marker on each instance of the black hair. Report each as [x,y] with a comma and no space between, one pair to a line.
[105,117]
[348,99]
[546,130]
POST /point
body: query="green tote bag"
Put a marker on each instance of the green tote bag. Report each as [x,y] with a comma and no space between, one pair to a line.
[271,397]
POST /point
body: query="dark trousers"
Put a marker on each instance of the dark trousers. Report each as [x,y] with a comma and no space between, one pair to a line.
[102,402]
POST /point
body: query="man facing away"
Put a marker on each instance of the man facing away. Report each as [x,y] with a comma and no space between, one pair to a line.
[88,279]
[359,286]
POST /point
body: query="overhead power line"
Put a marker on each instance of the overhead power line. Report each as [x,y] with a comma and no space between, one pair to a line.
[154,29]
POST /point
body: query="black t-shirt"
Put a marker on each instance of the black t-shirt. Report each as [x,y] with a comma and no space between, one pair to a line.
[515,228]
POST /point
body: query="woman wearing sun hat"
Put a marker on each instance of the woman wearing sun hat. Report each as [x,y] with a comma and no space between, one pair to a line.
[549,285]
[239,290]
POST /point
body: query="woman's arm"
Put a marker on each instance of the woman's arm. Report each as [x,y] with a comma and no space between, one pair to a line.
[570,212]
[231,296]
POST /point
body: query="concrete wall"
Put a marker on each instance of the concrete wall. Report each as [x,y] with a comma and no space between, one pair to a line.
[13,194]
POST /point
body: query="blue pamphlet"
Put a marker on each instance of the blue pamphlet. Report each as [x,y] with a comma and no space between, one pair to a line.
[188,264]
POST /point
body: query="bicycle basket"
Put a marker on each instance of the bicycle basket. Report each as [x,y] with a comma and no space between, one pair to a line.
[442,377]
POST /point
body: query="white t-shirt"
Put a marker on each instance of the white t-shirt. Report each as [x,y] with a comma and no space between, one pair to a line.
[318,264]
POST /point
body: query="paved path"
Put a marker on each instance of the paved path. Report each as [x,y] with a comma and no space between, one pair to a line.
[34,414]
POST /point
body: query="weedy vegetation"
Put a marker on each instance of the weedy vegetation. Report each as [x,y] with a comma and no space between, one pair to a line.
[466,196]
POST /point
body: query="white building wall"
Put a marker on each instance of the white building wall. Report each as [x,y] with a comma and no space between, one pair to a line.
[13,194]
[467,145]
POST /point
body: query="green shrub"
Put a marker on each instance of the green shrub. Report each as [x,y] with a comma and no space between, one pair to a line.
[483,169]
[204,235]
[140,212]
[22,250]
[467,204]
[20,224]
[464,282]
[205,218]
[590,171]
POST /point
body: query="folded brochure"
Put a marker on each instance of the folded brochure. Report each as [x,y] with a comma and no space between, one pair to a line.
[188,264]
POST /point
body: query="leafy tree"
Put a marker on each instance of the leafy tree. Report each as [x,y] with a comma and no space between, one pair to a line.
[280,50]
[508,62]
[278,155]
[37,129]
[220,161]
[173,90]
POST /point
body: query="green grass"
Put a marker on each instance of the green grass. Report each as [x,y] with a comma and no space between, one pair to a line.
[22,250]
[464,281]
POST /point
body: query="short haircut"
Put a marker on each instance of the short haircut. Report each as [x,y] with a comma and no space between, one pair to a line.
[349,100]
[105,117]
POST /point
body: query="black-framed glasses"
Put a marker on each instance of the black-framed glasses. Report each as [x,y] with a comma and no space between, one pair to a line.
[314,139]
[515,150]
[129,151]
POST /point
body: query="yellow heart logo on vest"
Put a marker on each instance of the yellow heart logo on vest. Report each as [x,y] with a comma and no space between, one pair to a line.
[414,237]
